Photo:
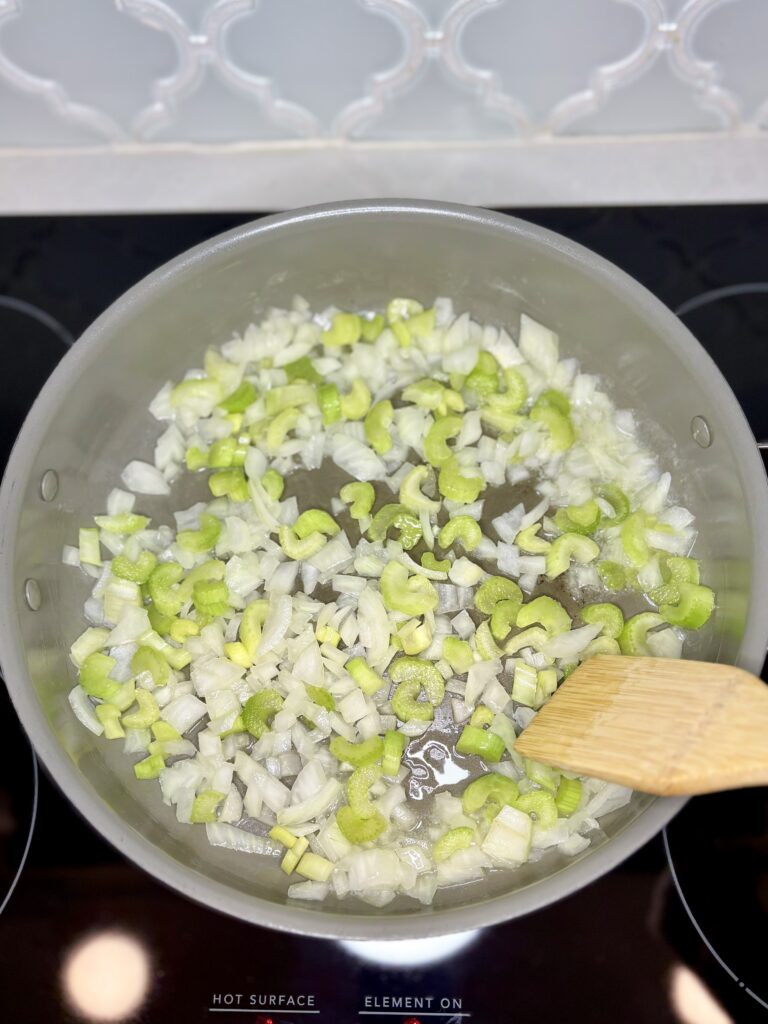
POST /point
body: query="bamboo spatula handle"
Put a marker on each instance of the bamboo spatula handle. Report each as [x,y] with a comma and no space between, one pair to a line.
[659,725]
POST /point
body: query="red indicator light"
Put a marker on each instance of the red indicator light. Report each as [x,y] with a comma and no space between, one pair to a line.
[413,1020]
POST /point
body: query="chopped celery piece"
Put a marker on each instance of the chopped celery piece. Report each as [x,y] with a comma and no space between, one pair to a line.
[177,659]
[676,569]
[415,637]
[237,653]
[289,396]
[125,696]
[482,716]
[160,588]
[423,672]
[302,369]
[422,324]
[277,431]
[360,496]
[195,458]
[540,805]
[567,547]
[633,539]
[528,541]
[232,482]
[546,611]
[273,484]
[295,853]
[410,491]
[315,867]
[555,399]
[618,500]
[109,716]
[149,768]
[396,516]
[453,841]
[495,589]
[489,790]
[359,755]
[259,710]
[458,654]
[429,561]
[356,404]
[365,677]
[394,747]
[138,571]
[164,732]
[427,393]
[378,420]
[412,596]
[535,637]
[205,806]
[358,829]
[203,539]
[500,413]
[436,450]
[371,329]
[544,776]
[568,796]
[516,393]
[600,645]
[213,569]
[196,389]
[300,549]
[282,835]
[612,574]
[693,608]
[89,642]
[211,597]
[320,696]
[561,434]
[94,674]
[329,400]
[147,659]
[161,624]
[89,546]
[474,740]
[633,636]
[525,684]
[608,616]
[546,684]
[221,454]
[125,523]
[485,378]
[239,400]
[148,711]
[485,645]
[345,329]
[504,617]
[328,635]
[253,619]
[453,485]
[465,529]
[358,786]
[406,705]
[315,519]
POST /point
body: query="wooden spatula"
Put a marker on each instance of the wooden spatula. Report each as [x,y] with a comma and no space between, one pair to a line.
[656,724]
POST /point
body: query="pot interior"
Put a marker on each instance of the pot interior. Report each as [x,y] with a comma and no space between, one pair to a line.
[92,419]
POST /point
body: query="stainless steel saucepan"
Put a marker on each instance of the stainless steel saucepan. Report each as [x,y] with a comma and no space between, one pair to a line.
[91,418]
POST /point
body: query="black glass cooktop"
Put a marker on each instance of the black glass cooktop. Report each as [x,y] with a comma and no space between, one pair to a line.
[678,933]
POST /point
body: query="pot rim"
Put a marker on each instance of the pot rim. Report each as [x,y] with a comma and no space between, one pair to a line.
[300,919]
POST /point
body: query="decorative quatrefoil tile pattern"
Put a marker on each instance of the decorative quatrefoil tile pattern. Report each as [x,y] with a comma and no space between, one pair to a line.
[101,72]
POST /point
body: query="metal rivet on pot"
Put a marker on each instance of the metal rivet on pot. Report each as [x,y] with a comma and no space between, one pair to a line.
[49,485]
[700,432]
[32,595]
